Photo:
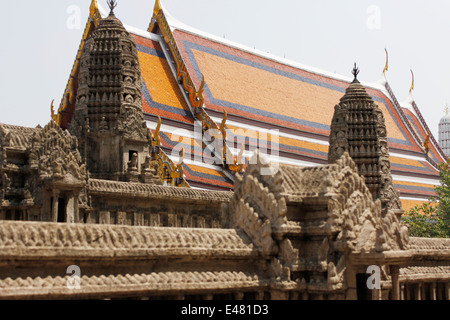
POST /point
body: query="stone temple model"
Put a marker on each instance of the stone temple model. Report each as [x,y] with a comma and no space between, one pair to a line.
[102,190]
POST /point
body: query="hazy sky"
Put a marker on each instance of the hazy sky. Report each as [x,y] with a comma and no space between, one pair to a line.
[39,41]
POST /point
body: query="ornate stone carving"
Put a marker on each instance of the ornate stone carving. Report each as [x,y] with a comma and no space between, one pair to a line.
[362,225]
[358,127]
[108,119]
[54,154]
[257,204]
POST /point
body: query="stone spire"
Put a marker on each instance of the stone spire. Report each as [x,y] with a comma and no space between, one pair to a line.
[108,119]
[358,127]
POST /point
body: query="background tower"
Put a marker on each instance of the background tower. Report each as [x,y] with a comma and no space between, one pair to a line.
[444,132]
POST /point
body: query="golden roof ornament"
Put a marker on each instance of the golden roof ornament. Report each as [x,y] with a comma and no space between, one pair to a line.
[412,84]
[157,7]
[386,67]
[426,143]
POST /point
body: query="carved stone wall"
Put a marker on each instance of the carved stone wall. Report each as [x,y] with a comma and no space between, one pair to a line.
[113,202]
[311,220]
[124,261]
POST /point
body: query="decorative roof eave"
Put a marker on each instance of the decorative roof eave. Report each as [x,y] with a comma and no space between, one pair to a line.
[70,91]
[426,129]
[405,121]
[418,114]
[168,171]
[159,21]
[194,96]
[411,105]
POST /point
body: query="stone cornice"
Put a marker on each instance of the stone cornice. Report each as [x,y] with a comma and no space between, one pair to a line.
[137,190]
[57,241]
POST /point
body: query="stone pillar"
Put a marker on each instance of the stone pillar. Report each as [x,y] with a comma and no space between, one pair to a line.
[238,295]
[279,295]
[121,218]
[433,291]
[294,295]
[395,283]
[402,291]
[424,289]
[439,291]
[138,219]
[76,209]
[104,217]
[376,294]
[447,291]
[55,205]
[259,295]
[418,291]
[154,220]
[70,209]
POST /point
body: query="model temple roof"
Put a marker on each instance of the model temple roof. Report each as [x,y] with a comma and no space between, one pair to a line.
[183,67]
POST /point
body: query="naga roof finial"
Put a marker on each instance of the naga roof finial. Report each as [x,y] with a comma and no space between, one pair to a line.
[157,8]
[355,72]
[112,4]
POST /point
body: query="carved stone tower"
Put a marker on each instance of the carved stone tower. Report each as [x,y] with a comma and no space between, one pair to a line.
[108,120]
[358,127]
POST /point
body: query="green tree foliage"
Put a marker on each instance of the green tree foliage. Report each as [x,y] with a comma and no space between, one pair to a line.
[432,219]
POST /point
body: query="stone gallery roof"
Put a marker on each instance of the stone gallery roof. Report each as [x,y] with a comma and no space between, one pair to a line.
[429,244]
[260,91]
[76,240]
[139,190]
[16,136]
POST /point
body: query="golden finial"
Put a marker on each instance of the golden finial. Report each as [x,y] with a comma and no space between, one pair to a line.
[224,121]
[241,154]
[199,93]
[446,109]
[157,8]
[52,108]
[238,163]
[181,159]
[156,137]
[426,143]
[94,7]
[386,67]
[412,84]
[178,173]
